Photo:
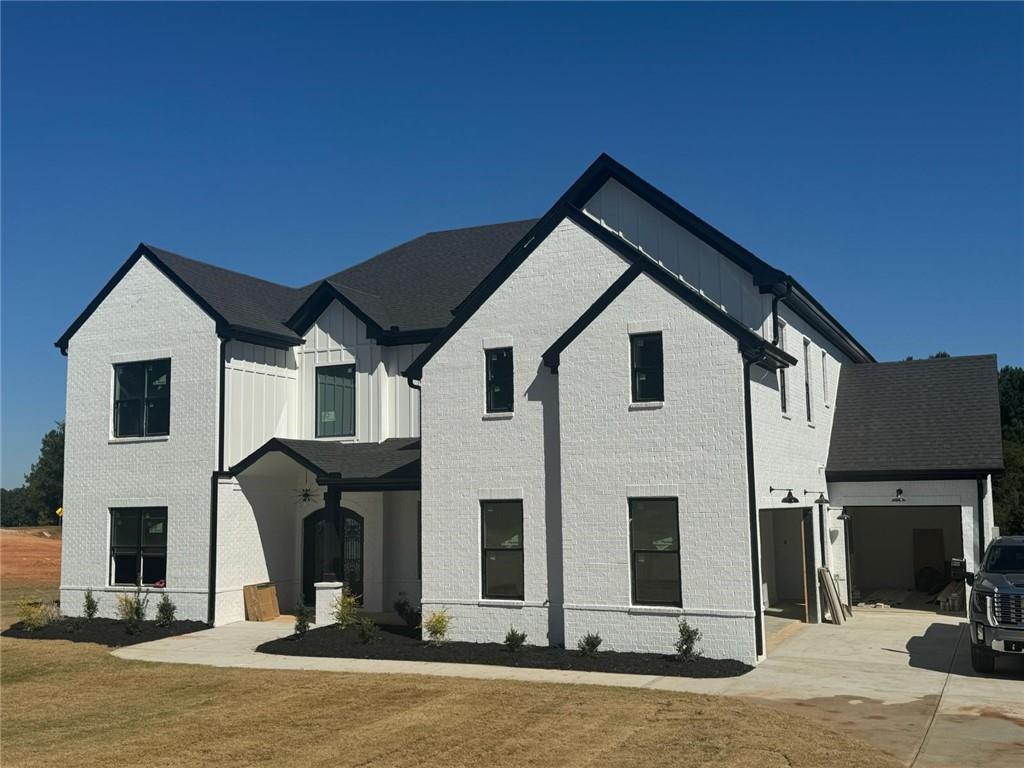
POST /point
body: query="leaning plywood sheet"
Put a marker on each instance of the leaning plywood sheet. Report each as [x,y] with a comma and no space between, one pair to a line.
[260,602]
[828,587]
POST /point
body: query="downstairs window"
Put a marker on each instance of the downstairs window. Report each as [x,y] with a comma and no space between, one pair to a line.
[138,546]
[654,551]
[502,549]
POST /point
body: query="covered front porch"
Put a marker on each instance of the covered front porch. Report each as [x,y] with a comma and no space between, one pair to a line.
[298,512]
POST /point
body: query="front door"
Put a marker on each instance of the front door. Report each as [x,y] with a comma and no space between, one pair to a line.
[332,550]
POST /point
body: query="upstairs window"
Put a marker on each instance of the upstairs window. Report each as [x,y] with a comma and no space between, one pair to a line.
[499,380]
[138,546]
[336,401]
[807,379]
[647,364]
[783,374]
[654,551]
[503,549]
[142,399]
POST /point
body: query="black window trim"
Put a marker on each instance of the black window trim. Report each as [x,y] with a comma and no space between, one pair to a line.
[143,401]
[633,552]
[140,550]
[634,369]
[488,403]
[484,550]
[316,399]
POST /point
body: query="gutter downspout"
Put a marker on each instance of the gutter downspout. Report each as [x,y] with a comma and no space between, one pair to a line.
[749,358]
[776,298]
[211,600]
[981,522]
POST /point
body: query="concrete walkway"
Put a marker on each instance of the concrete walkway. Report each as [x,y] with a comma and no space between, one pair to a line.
[900,680]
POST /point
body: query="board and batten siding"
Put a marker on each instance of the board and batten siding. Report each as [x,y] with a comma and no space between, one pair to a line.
[260,389]
[272,392]
[697,264]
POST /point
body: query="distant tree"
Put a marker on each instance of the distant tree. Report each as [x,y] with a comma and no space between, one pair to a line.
[931,357]
[36,502]
[1008,490]
[14,509]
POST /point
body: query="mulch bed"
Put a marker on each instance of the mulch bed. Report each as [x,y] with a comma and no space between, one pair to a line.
[404,644]
[109,632]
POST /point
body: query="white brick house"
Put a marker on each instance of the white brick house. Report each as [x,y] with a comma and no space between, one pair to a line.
[583,423]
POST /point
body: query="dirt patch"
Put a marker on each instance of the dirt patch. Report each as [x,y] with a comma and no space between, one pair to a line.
[30,556]
[404,644]
[108,632]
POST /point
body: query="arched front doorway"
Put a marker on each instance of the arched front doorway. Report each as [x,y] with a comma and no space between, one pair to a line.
[332,550]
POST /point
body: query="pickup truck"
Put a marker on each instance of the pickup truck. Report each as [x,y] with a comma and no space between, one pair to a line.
[997,603]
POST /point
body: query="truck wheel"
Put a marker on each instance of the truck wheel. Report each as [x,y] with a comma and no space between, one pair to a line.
[982,661]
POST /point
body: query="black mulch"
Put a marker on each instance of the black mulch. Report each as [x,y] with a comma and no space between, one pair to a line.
[108,632]
[404,644]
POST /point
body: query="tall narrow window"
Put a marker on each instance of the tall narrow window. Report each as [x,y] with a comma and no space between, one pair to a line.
[499,380]
[654,550]
[142,398]
[138,546]
[807,378]
[502,549]
[783,374]
[824,376]
[648,368]
[336,401]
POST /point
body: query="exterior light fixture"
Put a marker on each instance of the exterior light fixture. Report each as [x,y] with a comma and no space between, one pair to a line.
[789,498]
[821,497]
[844,516]
[898,498]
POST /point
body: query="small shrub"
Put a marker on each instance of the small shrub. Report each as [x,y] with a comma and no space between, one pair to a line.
[131,609]
[303,618]
[515,639]
[90,606]
[411,616]
[368,630]
[165,611]
[36,614]
[688,638]
[589,644]
[346,608]
[437,625]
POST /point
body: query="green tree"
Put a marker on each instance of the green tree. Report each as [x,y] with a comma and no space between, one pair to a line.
[1008,489]
[36,502]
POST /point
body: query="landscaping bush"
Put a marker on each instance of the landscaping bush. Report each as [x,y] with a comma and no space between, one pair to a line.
[368,630]
[303,618]
[346,608]
[90,606]
[131,609]
[437,625]
[589,644]
[515,639]
[165,611]
[36,614]
[411,616]
[688,638]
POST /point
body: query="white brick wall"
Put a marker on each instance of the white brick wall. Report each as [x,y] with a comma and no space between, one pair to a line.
[467,457]
[692,449]
[144,317]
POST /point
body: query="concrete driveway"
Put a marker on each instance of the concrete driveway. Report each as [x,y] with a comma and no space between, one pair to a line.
[900,680]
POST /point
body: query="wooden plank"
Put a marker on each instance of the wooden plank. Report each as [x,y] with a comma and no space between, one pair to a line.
[269,609]
[828,586]
[251,600]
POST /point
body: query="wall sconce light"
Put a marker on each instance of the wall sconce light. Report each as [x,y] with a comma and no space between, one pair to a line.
[821,497]
[789,498]
[898,498]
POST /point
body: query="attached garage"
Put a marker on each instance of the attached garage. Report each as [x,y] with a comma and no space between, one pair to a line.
[900,555]
[914,445]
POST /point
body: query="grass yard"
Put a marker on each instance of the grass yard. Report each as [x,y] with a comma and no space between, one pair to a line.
[69,703]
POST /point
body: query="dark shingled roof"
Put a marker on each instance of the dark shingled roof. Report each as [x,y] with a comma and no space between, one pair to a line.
[925,417]
[394,463]
[415,285]
[241,300]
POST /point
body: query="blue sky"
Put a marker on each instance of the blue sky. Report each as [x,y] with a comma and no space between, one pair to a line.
[874,151]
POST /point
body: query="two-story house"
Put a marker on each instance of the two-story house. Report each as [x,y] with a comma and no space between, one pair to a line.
[601,421]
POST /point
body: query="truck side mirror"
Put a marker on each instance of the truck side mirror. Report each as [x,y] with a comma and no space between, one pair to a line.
[970,579]
[958,569]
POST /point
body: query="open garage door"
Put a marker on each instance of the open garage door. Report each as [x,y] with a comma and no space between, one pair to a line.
[900,556]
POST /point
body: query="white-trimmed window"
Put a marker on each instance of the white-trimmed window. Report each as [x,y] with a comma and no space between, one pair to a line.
[336,401]
[138,546]
[654,551]
[142,398]
[502,537]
